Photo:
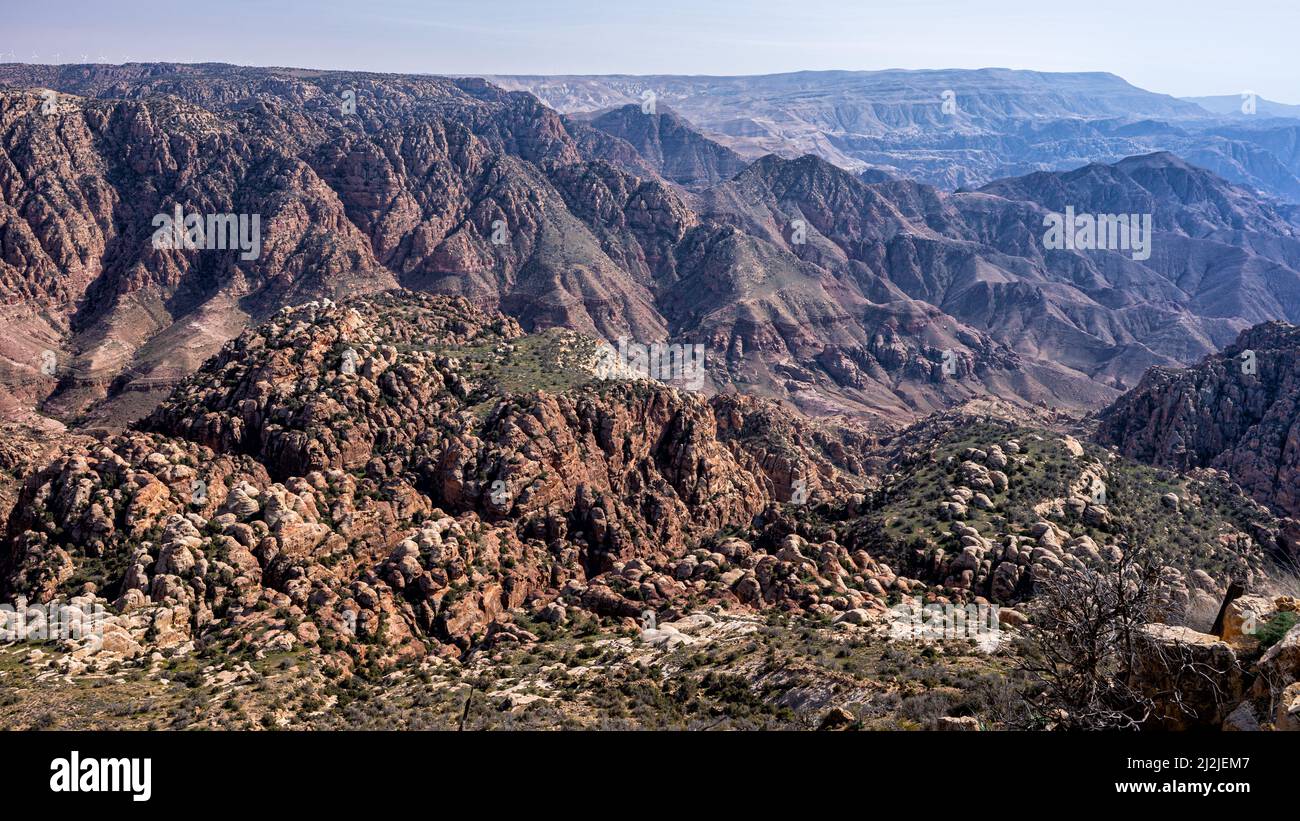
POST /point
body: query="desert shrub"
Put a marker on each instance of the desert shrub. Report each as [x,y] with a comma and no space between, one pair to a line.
[1271,631]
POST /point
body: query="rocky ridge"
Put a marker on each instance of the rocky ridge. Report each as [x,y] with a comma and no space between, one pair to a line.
[366,471]
[1235,412]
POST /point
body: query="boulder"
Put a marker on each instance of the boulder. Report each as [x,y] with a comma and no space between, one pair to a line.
[691,625]
[1241,619]
[855,616]
[1280,664]
[1242,719]
[1011,618]
[1194,679]
[1288,709]
[553,613]
[837,719]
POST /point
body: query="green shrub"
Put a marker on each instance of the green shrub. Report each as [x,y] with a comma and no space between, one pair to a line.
[1272,631]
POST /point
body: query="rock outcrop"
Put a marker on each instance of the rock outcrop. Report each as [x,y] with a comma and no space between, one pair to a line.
[1238,412]
[389,471]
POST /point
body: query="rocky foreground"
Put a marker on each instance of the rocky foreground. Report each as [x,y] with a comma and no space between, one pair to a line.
[403,511]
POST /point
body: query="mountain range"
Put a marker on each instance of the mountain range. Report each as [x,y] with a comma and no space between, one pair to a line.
[627,223]
[340,389]
[958,128]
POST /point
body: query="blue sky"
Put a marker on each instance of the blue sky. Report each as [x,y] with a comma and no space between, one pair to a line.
[1190,47]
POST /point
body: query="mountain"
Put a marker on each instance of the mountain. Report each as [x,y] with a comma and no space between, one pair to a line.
[803,281]
[413,188]
[950,128]
[381,502]
[872,103]
[421,467]
[671,146]
[1237,411]
[406,191]
[1180,197]
[1224,261]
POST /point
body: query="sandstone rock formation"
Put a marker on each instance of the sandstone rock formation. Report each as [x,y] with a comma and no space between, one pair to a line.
[388,471]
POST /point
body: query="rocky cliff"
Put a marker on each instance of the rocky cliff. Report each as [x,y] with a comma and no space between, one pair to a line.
[1238,411]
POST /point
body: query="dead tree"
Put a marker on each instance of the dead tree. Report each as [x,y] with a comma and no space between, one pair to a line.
[1100,659]
[1081,646]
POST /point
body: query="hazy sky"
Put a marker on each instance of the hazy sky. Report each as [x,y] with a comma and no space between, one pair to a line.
[1187,47]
